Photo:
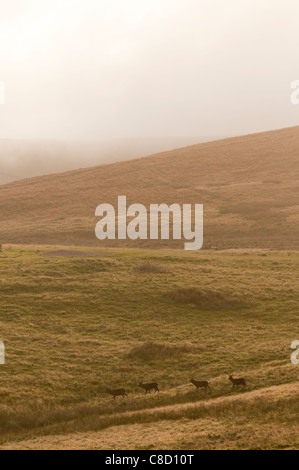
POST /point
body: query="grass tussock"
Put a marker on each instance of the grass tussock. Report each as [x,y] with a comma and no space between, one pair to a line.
[207,300]
[149,268]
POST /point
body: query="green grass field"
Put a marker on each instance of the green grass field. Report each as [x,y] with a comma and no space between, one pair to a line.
[73,326]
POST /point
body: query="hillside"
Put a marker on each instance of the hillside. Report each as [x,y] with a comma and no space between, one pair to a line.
[249,187]
[73,326]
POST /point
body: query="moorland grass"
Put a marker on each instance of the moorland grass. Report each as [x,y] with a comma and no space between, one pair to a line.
[73,326]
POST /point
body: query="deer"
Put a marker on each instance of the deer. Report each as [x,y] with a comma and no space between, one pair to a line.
[120,392]
[237,382]
[199,384]
[150,386]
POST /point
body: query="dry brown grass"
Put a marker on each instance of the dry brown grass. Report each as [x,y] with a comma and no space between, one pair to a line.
[73,326]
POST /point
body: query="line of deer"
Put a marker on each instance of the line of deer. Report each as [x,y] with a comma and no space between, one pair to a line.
[148,387]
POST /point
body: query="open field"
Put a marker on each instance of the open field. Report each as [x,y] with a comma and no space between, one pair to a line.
[249,187]
[74,325]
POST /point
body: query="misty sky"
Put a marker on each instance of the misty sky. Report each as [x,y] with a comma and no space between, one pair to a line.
[105,69]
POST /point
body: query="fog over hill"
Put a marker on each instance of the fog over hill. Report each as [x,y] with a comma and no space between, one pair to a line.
[20,159]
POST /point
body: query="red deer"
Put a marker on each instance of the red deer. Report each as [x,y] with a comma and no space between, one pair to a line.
[237,382]
[117,393]
[199,385]
[150,386]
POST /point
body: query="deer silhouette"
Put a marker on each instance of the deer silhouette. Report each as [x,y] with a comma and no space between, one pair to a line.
[237,382]
[149,386]
[199,384]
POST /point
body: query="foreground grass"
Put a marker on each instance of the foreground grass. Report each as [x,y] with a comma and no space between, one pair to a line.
[73,326]
[264,419]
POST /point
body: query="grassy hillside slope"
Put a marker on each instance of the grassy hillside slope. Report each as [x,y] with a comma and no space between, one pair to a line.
[248,185]
[74,325]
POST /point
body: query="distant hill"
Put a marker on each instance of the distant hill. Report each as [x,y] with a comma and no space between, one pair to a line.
[26,159]
[249,187]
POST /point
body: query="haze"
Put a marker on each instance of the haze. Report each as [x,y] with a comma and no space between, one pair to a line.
[121,69]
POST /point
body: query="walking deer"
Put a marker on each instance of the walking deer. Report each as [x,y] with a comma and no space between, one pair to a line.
[150,386]
[120,392]
[199,384]
[237,382]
